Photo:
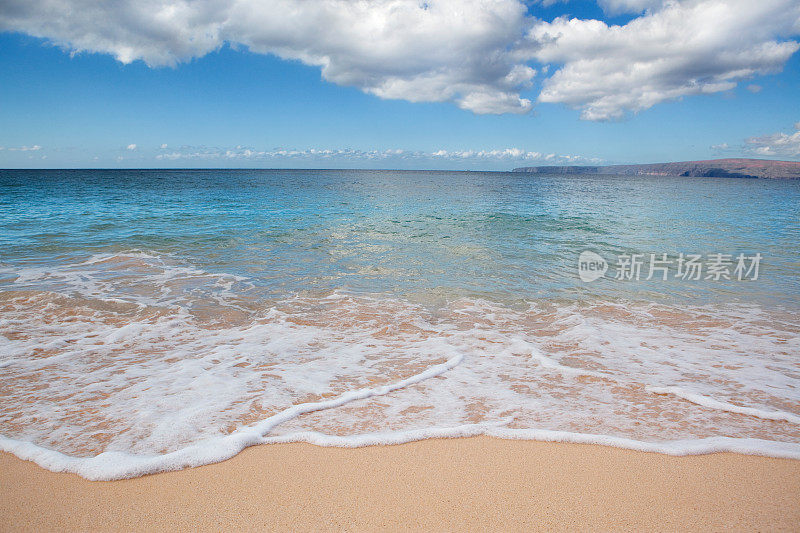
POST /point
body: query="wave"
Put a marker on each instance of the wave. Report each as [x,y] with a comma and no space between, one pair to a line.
[127,364]
[712,403]
[117,465]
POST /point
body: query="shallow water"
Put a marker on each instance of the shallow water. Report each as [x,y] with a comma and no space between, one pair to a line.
[152,320]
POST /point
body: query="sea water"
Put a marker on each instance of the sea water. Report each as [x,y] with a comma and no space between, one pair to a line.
[156,319]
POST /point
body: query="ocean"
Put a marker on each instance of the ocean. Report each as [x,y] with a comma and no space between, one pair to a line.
[157,319]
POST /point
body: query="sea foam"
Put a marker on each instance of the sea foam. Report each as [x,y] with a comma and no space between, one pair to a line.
[125,364]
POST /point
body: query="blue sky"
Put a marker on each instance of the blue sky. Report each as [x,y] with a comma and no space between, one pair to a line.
[238,104]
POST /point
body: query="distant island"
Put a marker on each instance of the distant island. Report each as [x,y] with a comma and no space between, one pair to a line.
[715,168]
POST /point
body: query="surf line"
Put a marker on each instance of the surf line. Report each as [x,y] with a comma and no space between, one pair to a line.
[268,424]
[712,403]
[697,399]
[119,465]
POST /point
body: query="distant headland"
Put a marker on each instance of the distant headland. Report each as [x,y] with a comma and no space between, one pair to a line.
[714,168]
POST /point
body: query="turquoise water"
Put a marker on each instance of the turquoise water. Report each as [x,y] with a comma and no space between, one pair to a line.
[432,236]
[153,319]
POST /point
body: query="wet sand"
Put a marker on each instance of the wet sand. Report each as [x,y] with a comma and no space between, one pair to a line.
[471,483]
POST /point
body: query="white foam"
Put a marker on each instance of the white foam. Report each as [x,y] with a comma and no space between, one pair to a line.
[685,447]
[681,447]
[131,277]
[118,465]
[111,371]
[711,403]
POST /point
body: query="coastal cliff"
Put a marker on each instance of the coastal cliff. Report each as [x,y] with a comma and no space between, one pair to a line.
[716,168]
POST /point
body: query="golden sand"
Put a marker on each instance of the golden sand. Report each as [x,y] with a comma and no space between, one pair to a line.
[472,483]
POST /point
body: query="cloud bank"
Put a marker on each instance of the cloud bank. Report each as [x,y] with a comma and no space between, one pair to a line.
[681,49]
[34,148]
[776,145]
[482,55]
[243,153]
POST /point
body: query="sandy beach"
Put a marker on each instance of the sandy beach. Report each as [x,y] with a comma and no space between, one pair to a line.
[472,483]
[399,265]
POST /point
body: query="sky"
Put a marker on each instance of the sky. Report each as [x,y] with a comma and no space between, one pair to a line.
[442,84]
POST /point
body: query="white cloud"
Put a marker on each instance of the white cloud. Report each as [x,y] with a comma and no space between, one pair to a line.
[481,55]
[616,7]
[34,148]
[775,145]
[435,51]
[243,153]
[548,3]
[131,146]
[686,48]
[163,146]
[754,88]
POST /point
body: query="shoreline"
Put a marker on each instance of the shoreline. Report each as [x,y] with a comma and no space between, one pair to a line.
[428,484]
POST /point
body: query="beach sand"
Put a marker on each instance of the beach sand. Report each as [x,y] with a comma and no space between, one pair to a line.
[472,483]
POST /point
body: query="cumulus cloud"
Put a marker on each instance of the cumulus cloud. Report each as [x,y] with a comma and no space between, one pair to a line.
[616,7]
[34,148]
[722,147]
[482,55]
[548,3]
[775,145]
[244,153]
[131,147]
[435,51]
[685,48]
